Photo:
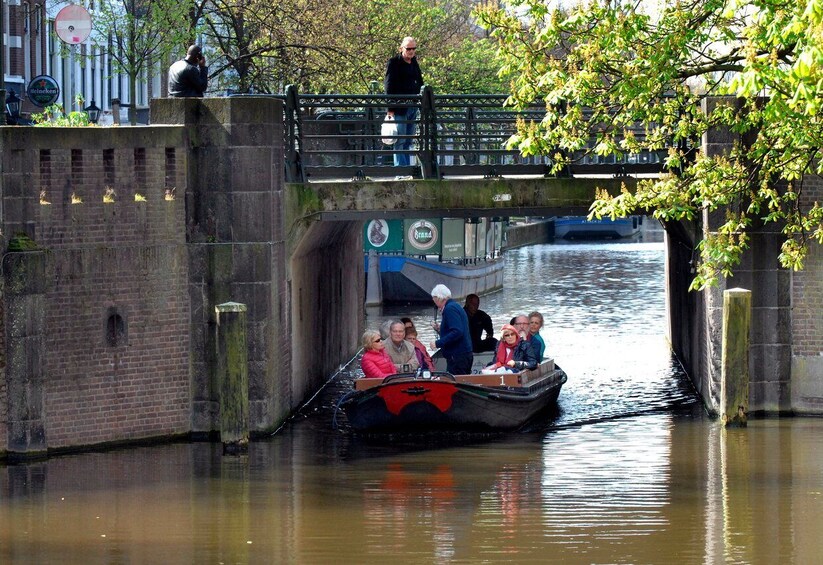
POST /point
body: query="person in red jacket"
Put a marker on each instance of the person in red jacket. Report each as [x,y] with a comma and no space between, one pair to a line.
[375,362]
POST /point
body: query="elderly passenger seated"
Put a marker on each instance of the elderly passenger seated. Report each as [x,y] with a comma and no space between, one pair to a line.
[513,353]
[539,346]
[402,352]
[423,356]
[375,362]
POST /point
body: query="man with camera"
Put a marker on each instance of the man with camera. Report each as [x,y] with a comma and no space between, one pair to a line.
[189,77]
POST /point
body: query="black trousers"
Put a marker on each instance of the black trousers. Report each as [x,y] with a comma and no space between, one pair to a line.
[460,364]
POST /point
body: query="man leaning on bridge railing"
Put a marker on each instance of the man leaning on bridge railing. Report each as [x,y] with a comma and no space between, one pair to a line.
[403,76]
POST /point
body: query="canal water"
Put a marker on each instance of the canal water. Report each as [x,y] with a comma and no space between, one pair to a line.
[628,469]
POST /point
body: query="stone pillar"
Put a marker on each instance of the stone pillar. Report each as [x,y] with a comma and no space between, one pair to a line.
[25,308]
[734,395]
[374,288]
[233,376]
[235,214]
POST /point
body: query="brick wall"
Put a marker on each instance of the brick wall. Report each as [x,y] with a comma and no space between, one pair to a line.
[807,288]
[807,319]
[116,296]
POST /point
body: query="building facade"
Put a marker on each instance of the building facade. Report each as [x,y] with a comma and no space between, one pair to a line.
[31,48]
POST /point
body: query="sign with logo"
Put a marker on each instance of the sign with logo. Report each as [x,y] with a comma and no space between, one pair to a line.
[422,236]
[383,235]
[73,24]
[454,236]
[43,91]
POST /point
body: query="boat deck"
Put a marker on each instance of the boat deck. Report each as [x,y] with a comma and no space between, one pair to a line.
[523,379]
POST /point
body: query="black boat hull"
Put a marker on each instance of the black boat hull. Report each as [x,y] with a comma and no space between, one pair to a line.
[406,403]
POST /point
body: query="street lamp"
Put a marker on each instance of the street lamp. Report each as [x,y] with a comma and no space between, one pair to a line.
[13,106]
[93,111]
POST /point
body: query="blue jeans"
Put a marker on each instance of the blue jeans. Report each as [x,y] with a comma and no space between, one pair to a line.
[407,125]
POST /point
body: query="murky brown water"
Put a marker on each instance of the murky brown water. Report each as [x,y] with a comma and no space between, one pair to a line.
[628,470]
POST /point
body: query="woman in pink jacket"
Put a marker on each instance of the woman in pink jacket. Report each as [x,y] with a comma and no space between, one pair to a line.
[375,362]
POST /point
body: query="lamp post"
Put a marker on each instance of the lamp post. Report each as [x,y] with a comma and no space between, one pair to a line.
[93,111]
[13,106]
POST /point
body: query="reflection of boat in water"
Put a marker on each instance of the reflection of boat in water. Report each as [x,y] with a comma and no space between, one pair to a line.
[578,227]
[405,259]
[438,400]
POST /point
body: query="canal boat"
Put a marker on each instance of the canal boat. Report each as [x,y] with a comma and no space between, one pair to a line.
[438,400]
[406,258]
[578,227]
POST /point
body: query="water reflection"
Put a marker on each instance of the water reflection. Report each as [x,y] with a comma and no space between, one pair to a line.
[628,470]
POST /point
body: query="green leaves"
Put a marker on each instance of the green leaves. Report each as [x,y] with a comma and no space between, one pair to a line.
[618,81]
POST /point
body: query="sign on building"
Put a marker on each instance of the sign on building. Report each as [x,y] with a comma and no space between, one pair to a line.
[43,90]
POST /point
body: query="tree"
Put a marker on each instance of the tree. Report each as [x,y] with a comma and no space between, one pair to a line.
[603,67]
[137,33]
[328,46]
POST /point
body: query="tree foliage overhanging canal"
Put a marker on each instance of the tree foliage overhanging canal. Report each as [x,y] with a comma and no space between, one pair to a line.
[618,64]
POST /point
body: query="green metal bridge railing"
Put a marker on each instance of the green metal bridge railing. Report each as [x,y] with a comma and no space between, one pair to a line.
[334,136]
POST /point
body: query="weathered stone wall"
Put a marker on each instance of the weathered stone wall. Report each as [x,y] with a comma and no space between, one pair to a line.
[238,251]
[786,356]
[327,293]
[96,314]
[518,235]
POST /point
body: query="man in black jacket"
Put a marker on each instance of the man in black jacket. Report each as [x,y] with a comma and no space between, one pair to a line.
[403,76]
[189,77]
[479,322]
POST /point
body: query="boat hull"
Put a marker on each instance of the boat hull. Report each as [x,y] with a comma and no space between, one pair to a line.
[578,227]
[407,402]
[406,279]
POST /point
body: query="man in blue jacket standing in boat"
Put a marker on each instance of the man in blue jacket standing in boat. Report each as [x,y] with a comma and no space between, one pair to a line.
[455,340]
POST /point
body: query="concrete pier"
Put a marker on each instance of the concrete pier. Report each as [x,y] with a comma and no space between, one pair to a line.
[233,376]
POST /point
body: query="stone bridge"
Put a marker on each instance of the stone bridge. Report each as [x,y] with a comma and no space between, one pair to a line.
[109,301]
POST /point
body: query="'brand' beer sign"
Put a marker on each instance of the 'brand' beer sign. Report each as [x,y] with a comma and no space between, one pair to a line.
[422,235]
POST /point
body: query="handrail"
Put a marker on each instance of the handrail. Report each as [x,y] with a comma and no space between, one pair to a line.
[329,136]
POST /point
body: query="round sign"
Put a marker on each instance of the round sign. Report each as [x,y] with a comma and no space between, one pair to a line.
[73,24]
[378,233]
[43,91]
[422,235]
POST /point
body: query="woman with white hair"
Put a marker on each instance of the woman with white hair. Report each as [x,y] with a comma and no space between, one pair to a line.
[455,342]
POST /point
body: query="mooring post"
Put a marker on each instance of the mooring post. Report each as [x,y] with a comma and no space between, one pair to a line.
[233,376]
[734,373]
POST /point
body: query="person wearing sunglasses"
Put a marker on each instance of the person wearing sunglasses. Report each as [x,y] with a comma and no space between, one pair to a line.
[513,353]
[375,361]
[403,76]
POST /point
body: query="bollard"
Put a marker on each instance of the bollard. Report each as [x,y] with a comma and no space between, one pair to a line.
[115,111]
[233,376]
[374,288]
[734,373]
